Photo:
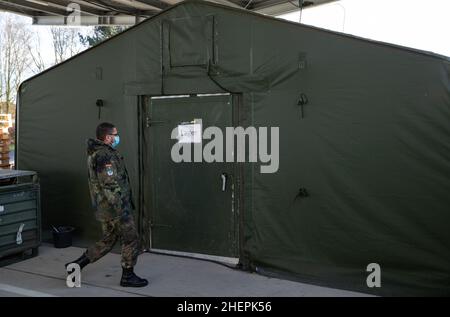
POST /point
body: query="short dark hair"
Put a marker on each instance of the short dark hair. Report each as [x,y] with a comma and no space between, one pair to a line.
[103,129]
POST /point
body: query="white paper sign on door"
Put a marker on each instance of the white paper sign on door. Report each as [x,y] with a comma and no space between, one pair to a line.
[190,133]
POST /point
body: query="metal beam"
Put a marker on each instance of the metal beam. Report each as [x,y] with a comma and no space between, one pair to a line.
[156,3]
[126,7]
[32,6]
[88,4]
[16,10]
[224,2]
[89,20]
[227,3]
[277,7]
[83,8]
[171,2]
[140,5]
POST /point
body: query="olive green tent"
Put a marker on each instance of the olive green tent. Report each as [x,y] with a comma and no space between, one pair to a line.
[364,151]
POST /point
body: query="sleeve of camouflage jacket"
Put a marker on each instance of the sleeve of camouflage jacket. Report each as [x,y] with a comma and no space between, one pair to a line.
[107,175]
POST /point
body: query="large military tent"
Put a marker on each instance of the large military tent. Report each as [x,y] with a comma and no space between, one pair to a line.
[364,151]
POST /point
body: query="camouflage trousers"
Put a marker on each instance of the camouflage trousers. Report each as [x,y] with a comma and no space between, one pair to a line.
[123,229]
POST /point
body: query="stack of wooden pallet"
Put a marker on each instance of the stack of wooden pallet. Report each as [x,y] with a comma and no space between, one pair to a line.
[5,142]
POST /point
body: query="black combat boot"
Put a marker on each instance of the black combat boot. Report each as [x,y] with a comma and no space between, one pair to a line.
[82,261]
[129,279]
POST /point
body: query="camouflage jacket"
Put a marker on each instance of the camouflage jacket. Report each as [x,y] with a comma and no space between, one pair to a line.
[109,183]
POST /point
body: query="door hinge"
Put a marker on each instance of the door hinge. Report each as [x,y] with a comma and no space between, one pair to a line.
[149,122]
[159,225]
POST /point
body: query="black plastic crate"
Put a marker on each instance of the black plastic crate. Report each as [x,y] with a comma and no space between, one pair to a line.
[20,213]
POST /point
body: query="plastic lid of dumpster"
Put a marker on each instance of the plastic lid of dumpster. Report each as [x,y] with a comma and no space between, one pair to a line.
[15,173]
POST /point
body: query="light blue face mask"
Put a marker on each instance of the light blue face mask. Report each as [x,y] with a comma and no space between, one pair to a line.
[116,141]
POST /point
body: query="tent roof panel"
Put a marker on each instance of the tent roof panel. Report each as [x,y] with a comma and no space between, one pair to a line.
[268,18]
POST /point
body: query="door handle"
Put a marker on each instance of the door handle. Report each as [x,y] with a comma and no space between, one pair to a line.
[224,178]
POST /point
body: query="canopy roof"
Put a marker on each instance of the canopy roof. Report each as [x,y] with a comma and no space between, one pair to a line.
[129,12]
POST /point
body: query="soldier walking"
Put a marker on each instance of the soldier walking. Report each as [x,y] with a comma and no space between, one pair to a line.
[110,190]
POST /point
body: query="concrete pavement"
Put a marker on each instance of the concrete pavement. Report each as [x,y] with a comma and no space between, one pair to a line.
[44,275]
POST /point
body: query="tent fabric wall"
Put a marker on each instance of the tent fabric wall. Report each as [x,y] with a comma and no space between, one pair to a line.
[372,148]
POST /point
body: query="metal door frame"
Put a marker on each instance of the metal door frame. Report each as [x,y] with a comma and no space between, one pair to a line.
[145,211]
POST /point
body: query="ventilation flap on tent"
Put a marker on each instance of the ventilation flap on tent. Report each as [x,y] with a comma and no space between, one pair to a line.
[188,42]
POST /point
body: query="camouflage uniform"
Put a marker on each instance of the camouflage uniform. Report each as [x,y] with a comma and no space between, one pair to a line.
[110,190]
